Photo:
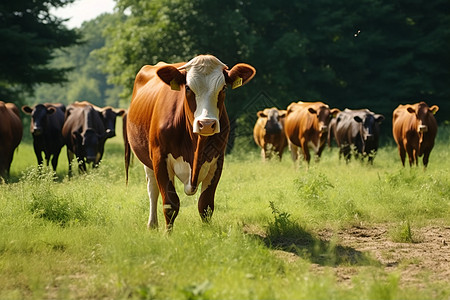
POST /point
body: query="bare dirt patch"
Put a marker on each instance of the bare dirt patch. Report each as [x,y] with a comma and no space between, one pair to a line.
[418,264]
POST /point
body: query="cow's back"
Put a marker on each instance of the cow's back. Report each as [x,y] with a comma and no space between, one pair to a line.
[11,130]
[403,124]
[299,122]
[291,126]
[258,131]
[153,108]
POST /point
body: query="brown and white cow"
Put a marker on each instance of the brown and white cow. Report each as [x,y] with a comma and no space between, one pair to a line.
[414,128]
[11,130]
[177,125]
[46,125]
[306,127]
[268,132]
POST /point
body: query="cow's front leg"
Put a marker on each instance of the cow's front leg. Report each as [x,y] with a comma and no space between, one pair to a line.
[37,151]
[305,148]
[153,194]
[170,200]
[209,185]
[70,156]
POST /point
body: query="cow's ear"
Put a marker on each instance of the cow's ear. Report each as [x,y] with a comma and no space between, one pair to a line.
[434,109]
[411,110]
[120,112]
[379,118]
[26,109]
[172,76]
[239,75]
[282,113]
[51,110]
[334,112]
[312,111]
[357,119]
[261,114]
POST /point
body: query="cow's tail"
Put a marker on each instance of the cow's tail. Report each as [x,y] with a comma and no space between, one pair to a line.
[331,129]
[127,147]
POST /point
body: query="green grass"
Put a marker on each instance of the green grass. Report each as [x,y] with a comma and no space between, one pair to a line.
[86,237]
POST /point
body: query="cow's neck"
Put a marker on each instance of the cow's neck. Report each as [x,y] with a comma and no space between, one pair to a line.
[198,159]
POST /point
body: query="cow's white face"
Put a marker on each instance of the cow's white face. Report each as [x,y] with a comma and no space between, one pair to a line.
[206,82]
[205,78]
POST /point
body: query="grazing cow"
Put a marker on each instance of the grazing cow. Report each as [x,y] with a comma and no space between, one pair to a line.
[47,121]
[84,135]
[306,126]
[11,130]
[414,128]
[357,130]
[177,125]
[108,115]
[268,132]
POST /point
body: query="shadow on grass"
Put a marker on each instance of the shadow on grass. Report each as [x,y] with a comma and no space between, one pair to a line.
[286,235]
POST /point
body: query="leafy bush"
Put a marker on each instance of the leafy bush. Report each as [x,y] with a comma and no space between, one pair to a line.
[44,199]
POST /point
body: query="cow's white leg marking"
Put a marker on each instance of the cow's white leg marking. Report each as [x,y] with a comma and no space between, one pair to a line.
[153,194]
[294,151]
[207,173]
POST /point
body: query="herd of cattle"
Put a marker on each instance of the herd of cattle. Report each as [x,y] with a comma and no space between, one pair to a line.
[81,126]
[309,125]
[177,126]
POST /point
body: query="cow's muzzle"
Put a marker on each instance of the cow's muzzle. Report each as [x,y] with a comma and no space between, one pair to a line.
[91,158]
[324,128]
[206,127]
[423,128]
[37,131]
[110,133]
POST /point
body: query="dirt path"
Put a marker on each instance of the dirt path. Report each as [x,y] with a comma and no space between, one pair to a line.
[418,263]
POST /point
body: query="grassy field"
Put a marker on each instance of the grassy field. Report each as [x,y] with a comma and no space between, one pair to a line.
[278,231]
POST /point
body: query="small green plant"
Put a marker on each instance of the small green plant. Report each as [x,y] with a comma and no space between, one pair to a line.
[197,291]
[312,186]
[403,233]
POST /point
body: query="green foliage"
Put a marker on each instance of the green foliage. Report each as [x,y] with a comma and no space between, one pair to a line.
[311,185]
[30,35]
[354,54]
[87,80]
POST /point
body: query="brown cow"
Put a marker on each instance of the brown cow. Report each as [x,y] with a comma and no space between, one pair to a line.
[414,128]
[11,130]
[177,125]
[306,127]
[268,132]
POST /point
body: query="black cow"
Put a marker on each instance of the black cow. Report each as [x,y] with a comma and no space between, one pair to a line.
[356,131]
[46,124]
[84,135]
[108,115]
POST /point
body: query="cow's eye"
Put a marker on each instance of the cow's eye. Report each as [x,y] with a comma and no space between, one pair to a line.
[224,88]
[188,89]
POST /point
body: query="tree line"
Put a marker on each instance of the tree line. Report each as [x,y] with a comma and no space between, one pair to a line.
[368,53]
